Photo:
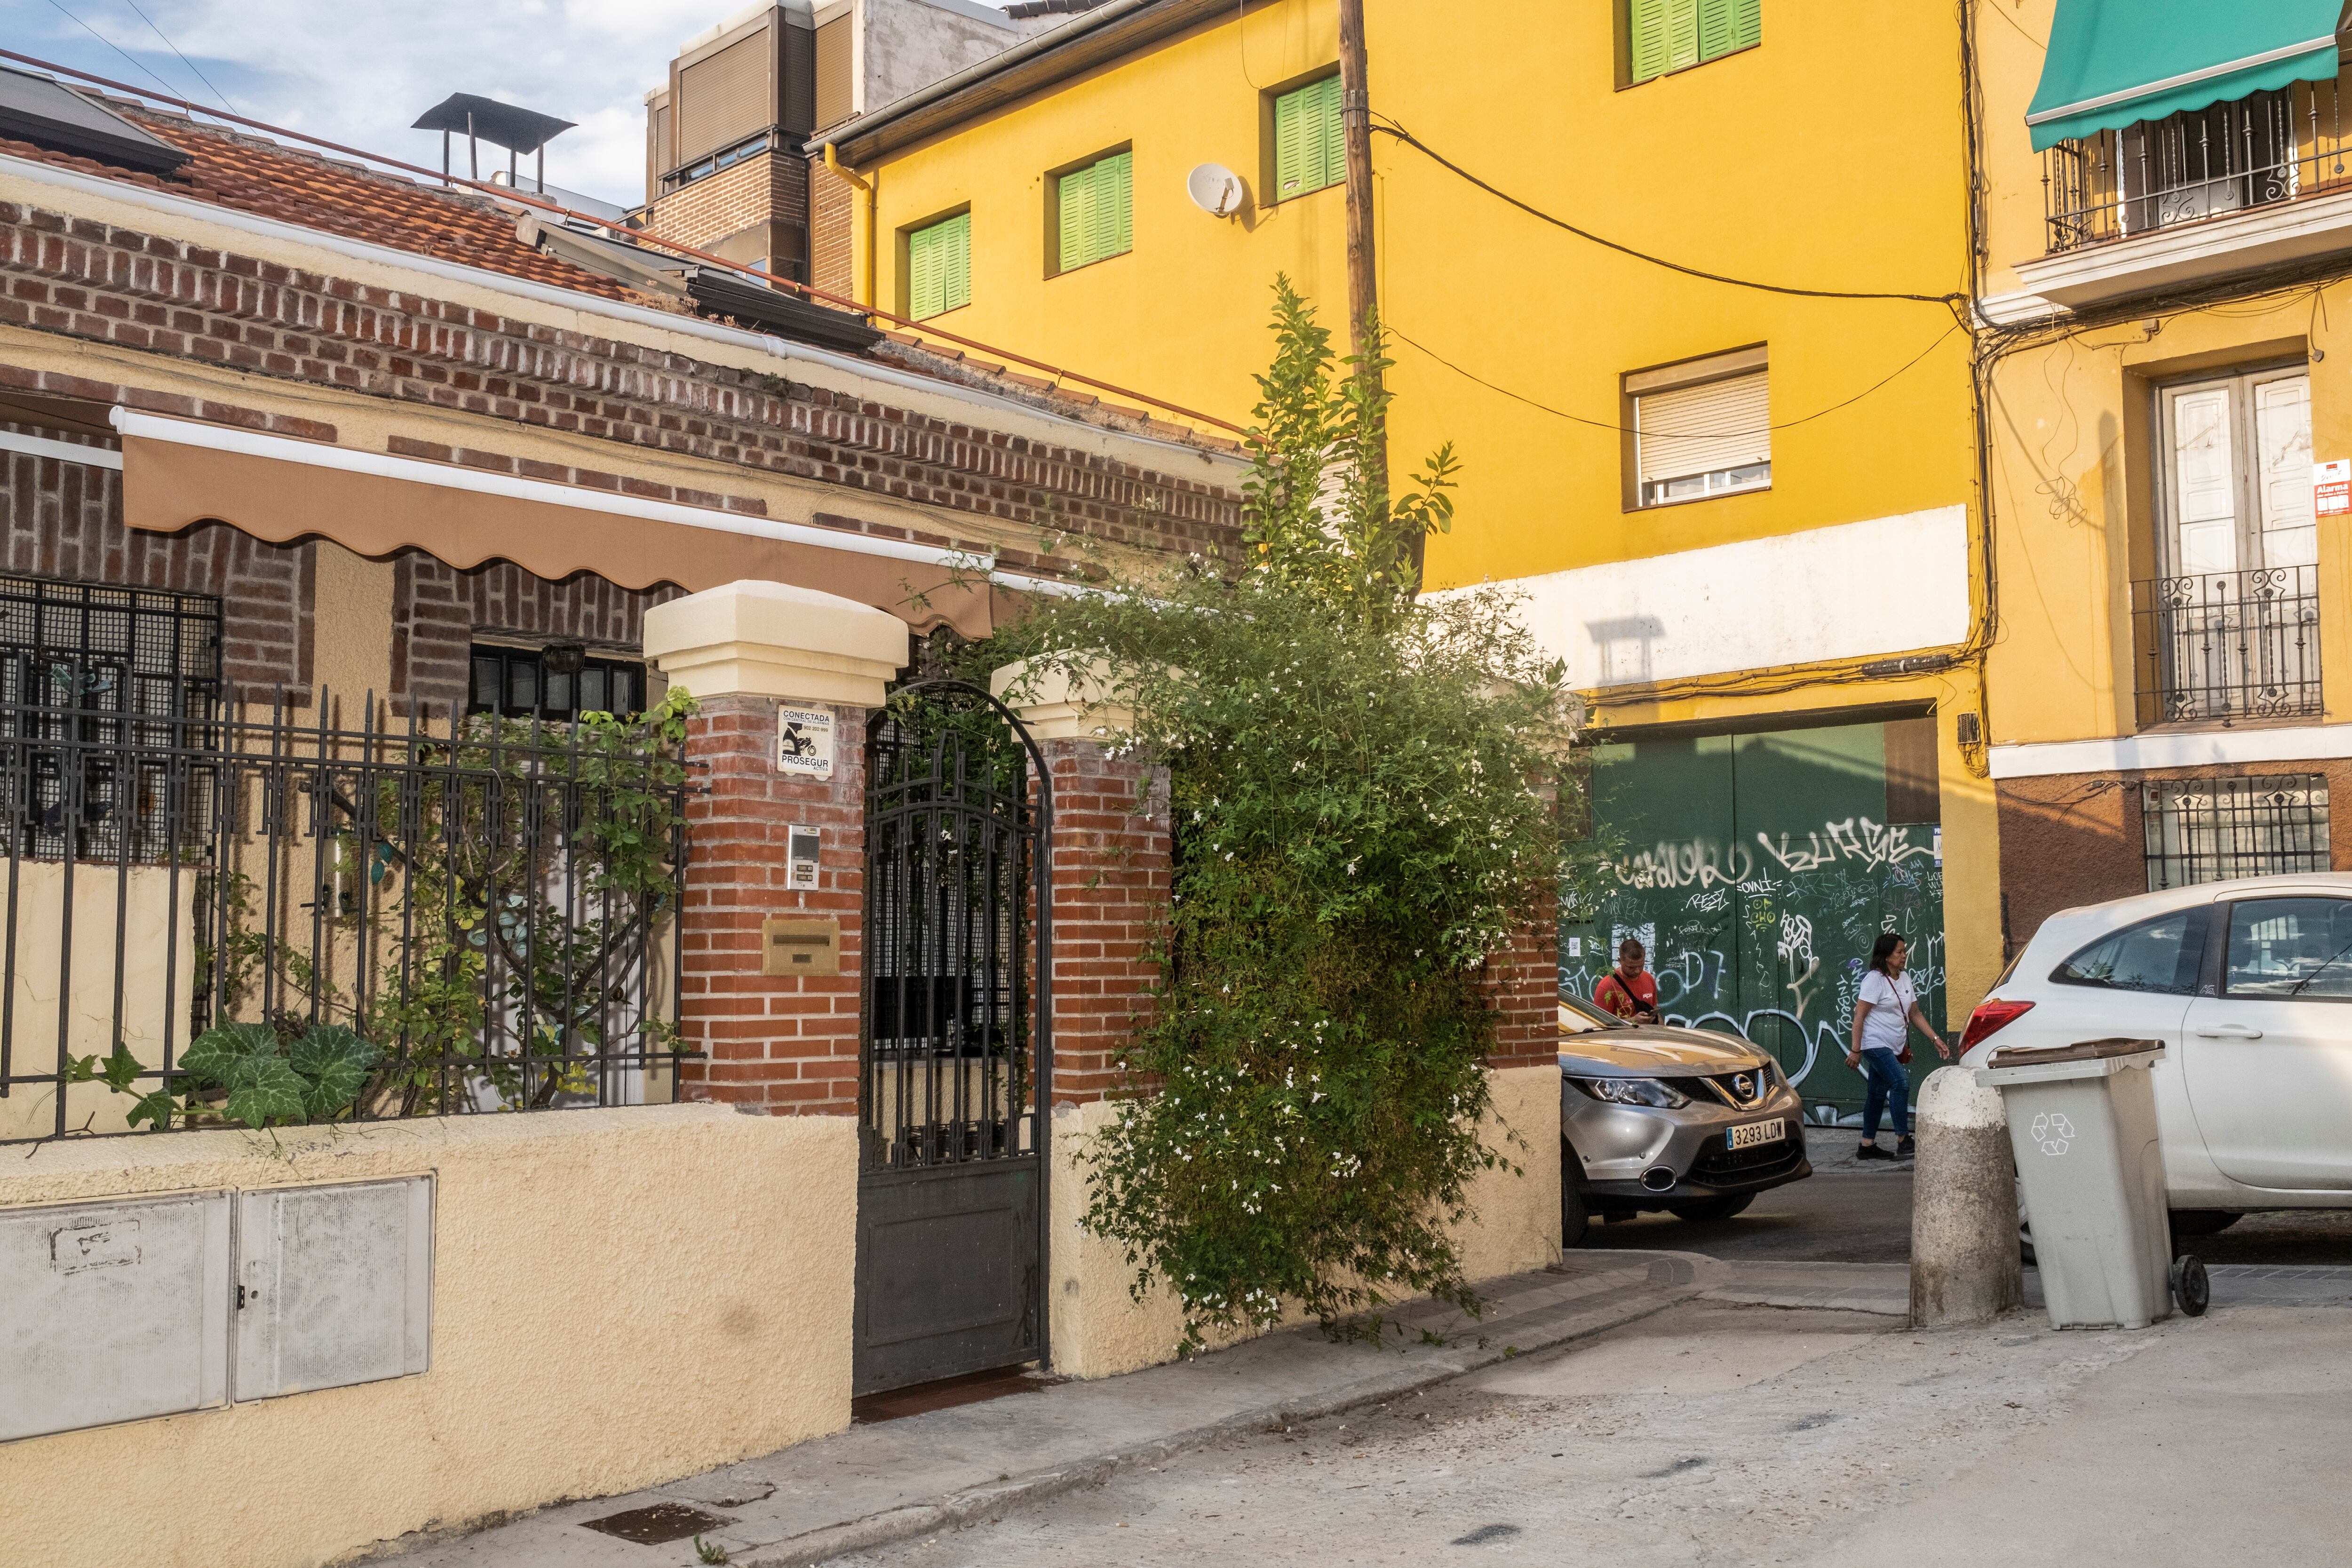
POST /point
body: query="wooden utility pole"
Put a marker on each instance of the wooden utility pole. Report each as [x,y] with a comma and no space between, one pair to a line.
[1356,131]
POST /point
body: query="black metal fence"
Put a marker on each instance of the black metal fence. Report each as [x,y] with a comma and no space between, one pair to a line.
[2227,645]
[255,920]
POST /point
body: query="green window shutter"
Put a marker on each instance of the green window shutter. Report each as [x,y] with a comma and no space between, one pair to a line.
[1747,23]
[1682,34]
[1114,206]
[1309,149]
[955,270]
[923,273]
[1646,30]
[1334,132]
[1290,118]
[1714,28]
[1077,188]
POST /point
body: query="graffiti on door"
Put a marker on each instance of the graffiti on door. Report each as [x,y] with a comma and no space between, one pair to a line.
[1763,926]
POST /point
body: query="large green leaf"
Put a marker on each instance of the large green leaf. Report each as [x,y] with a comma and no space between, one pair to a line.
[158,1107]
[217,1053]
[333,1062]
[268,1090]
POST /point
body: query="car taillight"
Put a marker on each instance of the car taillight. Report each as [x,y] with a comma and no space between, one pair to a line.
[1991,1017]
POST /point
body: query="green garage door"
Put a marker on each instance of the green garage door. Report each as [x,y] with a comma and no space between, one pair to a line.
[1758,870]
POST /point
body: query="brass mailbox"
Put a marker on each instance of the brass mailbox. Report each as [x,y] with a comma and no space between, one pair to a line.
[800,946]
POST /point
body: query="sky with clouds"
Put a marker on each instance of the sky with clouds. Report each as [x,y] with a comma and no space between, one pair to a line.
[360,71]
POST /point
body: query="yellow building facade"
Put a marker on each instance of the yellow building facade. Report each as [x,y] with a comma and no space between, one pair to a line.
[1745,516]
[2164,384]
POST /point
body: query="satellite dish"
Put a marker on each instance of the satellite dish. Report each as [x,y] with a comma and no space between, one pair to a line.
[1216,190]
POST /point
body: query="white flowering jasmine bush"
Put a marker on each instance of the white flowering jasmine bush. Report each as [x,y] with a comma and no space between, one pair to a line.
[1357,790]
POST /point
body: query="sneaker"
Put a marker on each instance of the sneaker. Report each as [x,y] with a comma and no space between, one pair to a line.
[1907,1149]
[1871,1152]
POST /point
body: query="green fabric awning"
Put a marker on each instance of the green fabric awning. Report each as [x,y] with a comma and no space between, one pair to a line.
[2113,62]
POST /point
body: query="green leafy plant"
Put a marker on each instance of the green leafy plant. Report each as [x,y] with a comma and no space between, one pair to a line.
[708,1551]
[252,1075]
[1359,786]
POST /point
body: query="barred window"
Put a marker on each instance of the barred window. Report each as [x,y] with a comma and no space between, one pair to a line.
[558,682]
[81,664]
[2209,830]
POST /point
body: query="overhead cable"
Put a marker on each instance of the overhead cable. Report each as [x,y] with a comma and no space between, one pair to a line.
[184,59]
[1956,302]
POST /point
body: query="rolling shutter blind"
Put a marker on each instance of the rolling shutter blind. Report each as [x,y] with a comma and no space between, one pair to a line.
[836,95]
[724,98]
[1097,211]
[658,160]
[1669,34]
[1309,152]
[1703,430]
[939,266]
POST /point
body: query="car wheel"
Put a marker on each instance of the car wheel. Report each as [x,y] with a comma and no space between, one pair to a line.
[1711,1209]
[2203,1221]
[1575,1219]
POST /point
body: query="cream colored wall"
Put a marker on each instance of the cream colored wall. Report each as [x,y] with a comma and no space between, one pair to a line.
[620,1298]
[351,642]
[1101,1330]
[158,962]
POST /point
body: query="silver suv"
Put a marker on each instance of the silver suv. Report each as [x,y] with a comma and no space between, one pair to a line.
[1654,1117]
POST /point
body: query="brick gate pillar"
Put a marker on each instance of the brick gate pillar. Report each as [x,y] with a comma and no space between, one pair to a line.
[785,677]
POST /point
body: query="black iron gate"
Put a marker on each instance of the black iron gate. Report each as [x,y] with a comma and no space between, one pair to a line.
[956,1058]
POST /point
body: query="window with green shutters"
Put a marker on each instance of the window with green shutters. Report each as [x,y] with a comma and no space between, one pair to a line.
[1671,35]
[1308,153]
[1096,211]
[939,266]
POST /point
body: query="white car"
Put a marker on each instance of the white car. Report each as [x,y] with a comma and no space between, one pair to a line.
[2249,985]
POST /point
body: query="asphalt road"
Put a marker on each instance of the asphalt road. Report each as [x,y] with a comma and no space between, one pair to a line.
[1846,1212]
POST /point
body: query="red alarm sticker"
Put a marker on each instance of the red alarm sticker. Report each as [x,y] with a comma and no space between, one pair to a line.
[2331,488]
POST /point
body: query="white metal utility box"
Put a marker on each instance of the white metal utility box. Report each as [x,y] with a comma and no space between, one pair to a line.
[128,1308]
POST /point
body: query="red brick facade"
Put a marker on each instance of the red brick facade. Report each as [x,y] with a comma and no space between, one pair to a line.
[80,278]
[785,1042]
[833,245]
[1111,873]
[437,609]
[766,188]
[1523,983]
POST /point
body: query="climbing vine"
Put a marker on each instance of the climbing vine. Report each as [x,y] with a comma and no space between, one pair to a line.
[1357,783]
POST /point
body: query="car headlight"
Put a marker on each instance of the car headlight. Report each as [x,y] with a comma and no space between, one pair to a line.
[1632,1091]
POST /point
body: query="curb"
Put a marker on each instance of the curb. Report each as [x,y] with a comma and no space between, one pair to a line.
[1667,1280]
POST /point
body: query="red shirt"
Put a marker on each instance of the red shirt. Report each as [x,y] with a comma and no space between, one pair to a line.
[1626,996]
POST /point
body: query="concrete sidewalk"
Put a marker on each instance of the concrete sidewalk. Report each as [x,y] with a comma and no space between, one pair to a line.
[893,1480]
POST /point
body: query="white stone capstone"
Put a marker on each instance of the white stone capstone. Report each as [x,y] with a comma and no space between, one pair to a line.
[1057,705]
[754,638]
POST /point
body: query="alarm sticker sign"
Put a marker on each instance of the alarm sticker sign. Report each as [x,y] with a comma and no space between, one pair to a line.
[2331,488]
[805,741]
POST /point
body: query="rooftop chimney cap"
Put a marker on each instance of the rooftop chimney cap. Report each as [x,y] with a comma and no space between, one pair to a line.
[500,124]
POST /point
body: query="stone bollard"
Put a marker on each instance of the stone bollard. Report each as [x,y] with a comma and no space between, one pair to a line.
[1964,1254]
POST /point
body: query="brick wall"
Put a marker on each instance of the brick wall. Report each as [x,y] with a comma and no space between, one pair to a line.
[786,1042]
[1110,889]
[832,216]
[64,520]
[1522,983]
[436,609]
[97,282]
[769,187]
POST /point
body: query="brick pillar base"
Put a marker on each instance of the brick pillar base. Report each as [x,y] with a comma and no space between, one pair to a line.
[1110,889]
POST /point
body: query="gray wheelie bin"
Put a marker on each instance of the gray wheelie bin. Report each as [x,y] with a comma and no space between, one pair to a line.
[2081,1122]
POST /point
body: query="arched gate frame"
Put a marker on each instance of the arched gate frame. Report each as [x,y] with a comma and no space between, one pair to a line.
[955,1048]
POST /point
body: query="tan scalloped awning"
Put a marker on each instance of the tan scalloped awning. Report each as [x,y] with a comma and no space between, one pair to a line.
[305,490]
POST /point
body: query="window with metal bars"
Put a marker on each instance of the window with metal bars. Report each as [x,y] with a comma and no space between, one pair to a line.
[98,685]
[558,682]
[2211,830]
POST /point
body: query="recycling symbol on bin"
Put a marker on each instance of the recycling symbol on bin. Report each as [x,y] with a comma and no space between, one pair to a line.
[2053,1133]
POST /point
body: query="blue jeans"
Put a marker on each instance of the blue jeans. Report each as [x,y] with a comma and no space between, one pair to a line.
[1888,1082]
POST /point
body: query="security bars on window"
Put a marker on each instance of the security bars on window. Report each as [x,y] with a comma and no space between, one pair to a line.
[2211,830]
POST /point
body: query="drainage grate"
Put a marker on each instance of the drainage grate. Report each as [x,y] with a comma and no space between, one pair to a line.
[653,1525]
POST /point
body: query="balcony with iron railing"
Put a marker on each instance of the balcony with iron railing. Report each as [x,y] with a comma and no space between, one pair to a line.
[2227,647]
[2201,194]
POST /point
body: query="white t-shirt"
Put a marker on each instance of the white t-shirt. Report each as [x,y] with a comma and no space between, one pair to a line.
[1884,1027]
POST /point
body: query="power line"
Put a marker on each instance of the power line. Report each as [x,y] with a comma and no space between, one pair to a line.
[1954,302]
[109,43]
[1712,435]
[183,59]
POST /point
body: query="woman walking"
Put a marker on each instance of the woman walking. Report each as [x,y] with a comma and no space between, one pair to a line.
[1882,1013]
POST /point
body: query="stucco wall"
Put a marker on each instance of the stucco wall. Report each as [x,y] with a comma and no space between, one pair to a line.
[1101,1330]
[620,1298]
